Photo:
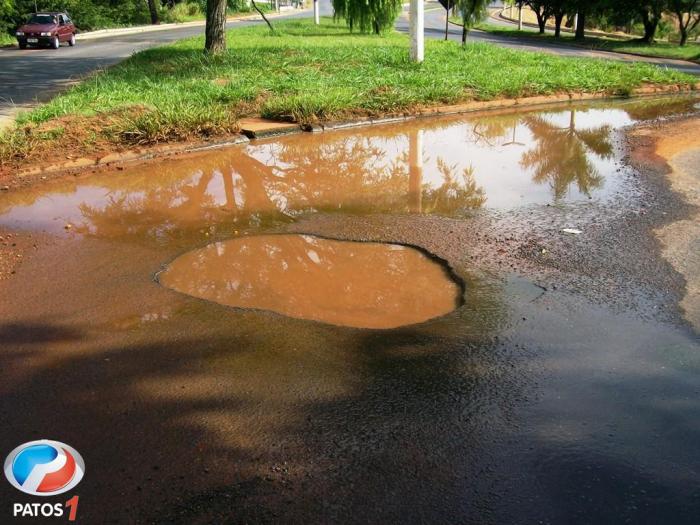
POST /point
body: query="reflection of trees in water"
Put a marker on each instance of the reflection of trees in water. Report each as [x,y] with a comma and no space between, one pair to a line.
[646,110]
[455,193]
[487,130]
[279,181]
[459,190]
[562,156]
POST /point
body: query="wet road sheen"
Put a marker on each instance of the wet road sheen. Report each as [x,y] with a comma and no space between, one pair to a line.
[511,392]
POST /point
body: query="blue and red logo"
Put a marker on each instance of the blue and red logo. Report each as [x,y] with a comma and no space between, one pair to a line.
[44,467]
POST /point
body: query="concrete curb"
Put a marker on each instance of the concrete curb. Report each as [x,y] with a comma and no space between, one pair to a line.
[267,128]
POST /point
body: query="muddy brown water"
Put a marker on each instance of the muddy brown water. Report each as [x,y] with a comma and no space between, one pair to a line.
[448,167]
[528,402]
[365,285]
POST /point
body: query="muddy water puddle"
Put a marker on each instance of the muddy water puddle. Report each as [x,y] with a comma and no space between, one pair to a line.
[450,167]
[455,167]
[364,285]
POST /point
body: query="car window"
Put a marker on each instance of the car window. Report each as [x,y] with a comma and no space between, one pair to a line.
[42,19]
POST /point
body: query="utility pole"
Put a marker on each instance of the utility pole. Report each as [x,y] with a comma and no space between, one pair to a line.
[317,14]
[417,28]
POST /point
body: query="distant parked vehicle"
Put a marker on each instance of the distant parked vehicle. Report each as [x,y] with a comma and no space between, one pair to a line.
[46,29]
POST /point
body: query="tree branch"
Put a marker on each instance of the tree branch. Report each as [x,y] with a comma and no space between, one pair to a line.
[263,15]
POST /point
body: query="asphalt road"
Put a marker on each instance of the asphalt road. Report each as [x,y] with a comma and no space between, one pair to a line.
[35,75]
[563,391]
[435,28]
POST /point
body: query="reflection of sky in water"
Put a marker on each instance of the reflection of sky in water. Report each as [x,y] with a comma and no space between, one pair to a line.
[497,162]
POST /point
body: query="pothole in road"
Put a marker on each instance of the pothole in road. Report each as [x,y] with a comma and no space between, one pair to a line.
[357,284]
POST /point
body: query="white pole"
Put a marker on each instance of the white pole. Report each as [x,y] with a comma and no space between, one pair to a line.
[317,14]
[415,171]
[417,28]
[520,18]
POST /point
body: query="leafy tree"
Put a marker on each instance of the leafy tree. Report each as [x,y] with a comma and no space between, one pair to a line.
[559,8]
[648,12]
[368,15]
[688,14]
[153,10]
[542,10]
[472,12]
[87,14]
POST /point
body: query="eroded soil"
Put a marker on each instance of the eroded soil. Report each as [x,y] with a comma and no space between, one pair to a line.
[674,150]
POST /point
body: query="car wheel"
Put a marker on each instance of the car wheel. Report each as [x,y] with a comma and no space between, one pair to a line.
[23,45]
[71,42]
[55,43]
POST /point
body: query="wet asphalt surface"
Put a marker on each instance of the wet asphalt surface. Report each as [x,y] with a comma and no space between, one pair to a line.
[564,389]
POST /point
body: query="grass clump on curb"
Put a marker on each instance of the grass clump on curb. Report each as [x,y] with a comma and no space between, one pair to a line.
[304,73]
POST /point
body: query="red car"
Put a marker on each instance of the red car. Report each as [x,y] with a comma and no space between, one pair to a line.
[46,29]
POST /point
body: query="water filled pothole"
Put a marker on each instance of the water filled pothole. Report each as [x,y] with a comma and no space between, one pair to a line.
[358,284]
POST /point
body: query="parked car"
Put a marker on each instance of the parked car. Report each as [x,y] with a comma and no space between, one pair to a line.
[46,29]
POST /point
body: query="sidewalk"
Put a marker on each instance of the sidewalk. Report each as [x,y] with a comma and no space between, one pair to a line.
[102,33]
[498,15]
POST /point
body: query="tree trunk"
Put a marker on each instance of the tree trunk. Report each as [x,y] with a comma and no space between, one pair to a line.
[685,25]
[558,18]
[464,33]
[581,25]
[650,24]
[447,22]
[215,31]
[541,22]
[153,9]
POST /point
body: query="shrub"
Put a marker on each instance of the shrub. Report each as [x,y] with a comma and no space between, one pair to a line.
[181,12]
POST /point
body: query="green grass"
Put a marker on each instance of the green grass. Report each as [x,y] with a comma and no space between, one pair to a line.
[306,73]
[7,40]
[691,51]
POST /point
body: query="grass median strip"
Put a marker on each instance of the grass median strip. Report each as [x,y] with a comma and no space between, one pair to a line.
[304,73]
